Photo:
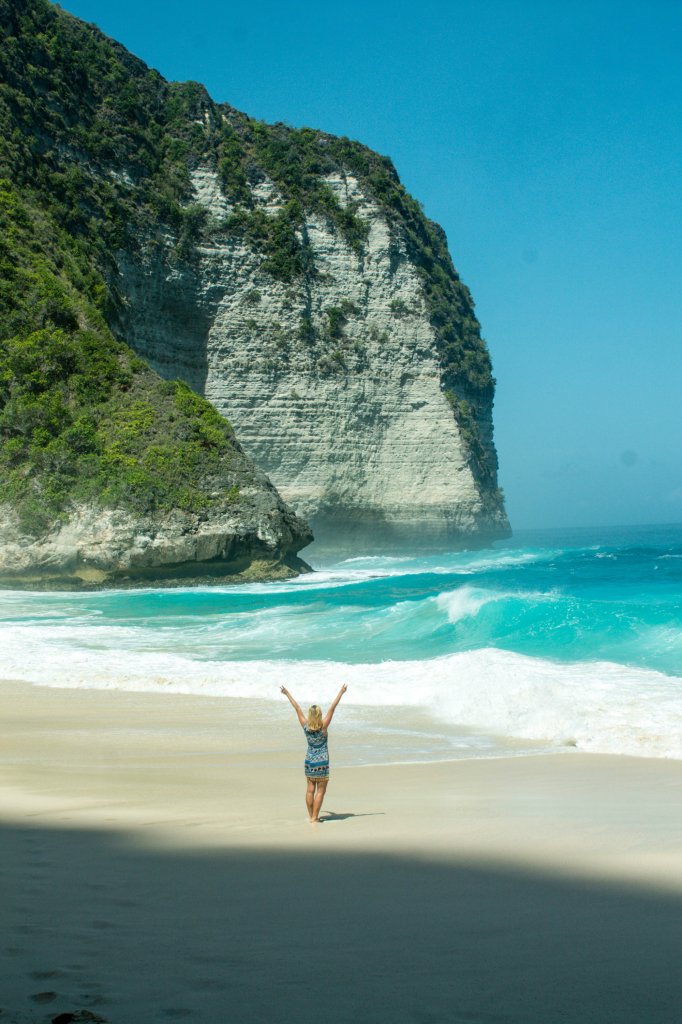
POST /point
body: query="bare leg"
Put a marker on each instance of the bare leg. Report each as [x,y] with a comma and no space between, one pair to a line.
[310,797]
[319,797]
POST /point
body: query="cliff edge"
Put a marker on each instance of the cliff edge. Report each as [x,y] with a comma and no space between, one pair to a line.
[284,275]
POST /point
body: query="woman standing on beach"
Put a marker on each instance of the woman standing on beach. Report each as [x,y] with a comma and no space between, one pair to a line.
[315,728]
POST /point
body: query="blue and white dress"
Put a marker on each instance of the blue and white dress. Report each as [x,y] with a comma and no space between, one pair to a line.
[317,754]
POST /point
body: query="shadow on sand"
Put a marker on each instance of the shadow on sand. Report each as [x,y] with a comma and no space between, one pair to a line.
[333,816]
[138,933]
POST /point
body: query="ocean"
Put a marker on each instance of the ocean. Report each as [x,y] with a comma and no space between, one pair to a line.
[552,641]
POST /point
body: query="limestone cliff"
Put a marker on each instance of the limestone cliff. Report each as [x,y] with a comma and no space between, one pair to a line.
[333,380]
[108,473]
[286,275]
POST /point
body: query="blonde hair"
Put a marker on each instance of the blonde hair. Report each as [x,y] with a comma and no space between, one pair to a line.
[314,718]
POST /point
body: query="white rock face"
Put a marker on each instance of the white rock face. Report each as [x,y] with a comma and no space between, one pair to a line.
[94,544]
[333,384]
[209,194]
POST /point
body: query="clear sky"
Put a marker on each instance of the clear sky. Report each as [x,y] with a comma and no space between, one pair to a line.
[546,139]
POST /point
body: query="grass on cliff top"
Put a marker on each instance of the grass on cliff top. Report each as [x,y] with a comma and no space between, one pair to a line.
[82,417]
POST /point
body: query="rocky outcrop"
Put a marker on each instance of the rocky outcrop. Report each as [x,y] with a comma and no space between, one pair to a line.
[333,382]
[256,538]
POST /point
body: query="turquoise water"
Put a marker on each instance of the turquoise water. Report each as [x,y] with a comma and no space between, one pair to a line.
[570,637]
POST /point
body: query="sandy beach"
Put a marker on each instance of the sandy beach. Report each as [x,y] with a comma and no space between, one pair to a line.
[157,864]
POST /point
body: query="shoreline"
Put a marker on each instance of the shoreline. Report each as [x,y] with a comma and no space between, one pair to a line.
[156,864]
[92,580]
[116,758]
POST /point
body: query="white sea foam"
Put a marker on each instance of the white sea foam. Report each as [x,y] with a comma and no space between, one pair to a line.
[378,560]
[595,706]
[353,570]
[494,560]
[465,602]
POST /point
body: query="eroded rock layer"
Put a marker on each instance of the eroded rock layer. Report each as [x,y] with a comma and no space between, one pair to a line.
[333,382]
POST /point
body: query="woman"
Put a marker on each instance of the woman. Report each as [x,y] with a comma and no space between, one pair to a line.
[317,755]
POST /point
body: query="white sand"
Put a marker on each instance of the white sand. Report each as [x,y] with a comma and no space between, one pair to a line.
[157,865]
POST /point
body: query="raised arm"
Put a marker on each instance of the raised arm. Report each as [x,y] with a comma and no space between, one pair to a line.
[326,721]
[301,716]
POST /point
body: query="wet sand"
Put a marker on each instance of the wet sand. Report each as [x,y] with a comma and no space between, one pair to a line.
[157,864]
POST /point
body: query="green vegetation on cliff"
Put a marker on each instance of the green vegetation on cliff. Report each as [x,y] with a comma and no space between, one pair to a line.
[81,417]
[96,152]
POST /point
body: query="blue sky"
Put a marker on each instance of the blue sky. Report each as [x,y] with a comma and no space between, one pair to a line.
[546,140]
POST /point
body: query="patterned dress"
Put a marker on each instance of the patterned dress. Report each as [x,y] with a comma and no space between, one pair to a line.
[317,754]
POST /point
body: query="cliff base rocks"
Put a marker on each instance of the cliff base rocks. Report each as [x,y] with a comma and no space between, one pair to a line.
[101,547]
